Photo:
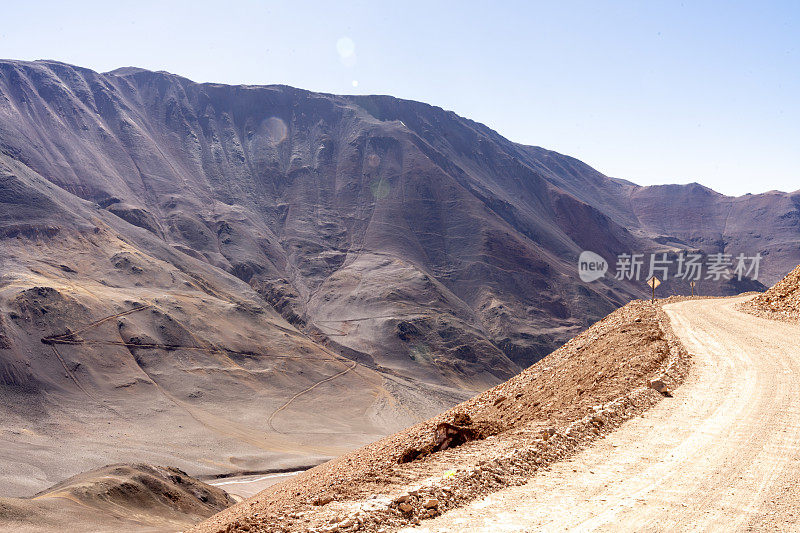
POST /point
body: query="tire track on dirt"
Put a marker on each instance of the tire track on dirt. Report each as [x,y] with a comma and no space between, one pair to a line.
[72,339]
[301,393]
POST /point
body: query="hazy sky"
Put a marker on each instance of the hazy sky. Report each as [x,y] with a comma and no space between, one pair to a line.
[652,92]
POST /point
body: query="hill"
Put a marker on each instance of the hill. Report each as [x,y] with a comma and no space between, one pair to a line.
[196,270]
[120,498]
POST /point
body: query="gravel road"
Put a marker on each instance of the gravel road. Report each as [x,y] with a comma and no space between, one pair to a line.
[722,455]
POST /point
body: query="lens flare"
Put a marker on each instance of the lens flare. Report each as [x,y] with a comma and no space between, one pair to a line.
[275,129]
[346,49]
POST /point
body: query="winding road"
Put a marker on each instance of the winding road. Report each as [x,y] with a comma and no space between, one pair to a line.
[722,455]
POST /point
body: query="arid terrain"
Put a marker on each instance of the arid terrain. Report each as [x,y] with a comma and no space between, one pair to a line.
[116,498]
[555,407]
[781,301]
[718,453]
[247,280]
[721,455]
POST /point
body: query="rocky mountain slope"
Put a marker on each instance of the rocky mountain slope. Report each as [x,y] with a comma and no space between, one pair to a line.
[208,265]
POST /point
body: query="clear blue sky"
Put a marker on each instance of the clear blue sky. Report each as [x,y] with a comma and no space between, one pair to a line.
[653,92]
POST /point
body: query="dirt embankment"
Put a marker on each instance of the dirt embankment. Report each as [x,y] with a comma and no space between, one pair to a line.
[496,439]
[721,455]
[781,302]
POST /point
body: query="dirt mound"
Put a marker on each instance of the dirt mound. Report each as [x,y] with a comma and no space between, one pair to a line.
[497,438]
[781,301]
[118,497]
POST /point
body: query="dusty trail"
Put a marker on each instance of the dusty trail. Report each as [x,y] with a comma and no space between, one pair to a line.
[87,327]
[722,455]
[304,391]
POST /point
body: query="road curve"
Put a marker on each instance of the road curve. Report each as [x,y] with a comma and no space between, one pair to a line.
[722,455]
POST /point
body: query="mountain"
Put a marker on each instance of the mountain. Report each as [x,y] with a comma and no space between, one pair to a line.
[252,277]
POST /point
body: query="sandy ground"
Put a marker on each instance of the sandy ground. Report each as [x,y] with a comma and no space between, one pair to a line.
[722,455]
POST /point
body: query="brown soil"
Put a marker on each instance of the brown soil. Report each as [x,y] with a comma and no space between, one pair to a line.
[781,302]
[549,411]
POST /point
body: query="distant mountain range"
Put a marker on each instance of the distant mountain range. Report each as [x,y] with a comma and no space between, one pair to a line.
[272,236]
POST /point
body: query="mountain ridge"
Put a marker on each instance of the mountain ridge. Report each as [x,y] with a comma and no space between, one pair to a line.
[131,69]
[277,248]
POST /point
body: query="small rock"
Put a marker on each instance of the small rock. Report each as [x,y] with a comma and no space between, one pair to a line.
[659,385]
[430,503]
[323,500]
[402,498]
[406,507]
[347,522]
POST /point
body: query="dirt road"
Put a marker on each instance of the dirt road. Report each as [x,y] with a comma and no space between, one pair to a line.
[246,486]
[722,455]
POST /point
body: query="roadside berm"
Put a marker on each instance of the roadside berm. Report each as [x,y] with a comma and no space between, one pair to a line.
[612,372]
[781,301]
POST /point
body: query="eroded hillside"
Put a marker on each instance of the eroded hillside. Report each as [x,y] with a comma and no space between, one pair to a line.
[209,265]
